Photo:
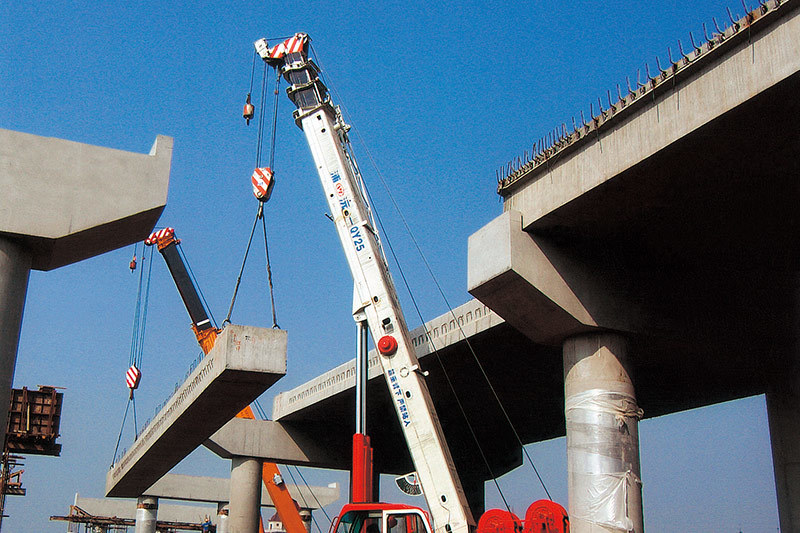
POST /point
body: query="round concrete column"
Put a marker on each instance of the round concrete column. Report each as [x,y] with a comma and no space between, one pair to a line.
[605,489]
[15,266]
[783,412]
[146,514]
[245,504]
[222,518]
[305,516]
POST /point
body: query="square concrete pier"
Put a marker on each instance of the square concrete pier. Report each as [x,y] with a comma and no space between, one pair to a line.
[244,362]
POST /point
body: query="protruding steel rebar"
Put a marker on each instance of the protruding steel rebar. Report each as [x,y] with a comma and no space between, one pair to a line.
[680,47]
[721,33]
[561,137]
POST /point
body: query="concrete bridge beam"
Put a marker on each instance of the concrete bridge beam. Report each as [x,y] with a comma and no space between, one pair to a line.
[64,202]
[541,289]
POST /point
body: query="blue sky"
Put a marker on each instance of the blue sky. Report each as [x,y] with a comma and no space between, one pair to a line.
[442,94]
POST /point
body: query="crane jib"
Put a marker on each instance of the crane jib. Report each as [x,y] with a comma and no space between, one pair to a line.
[326,134]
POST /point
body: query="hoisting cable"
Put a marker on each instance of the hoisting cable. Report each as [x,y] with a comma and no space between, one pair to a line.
[303,499]
[241,270]
[452,313]
[461,408]
[430,271]
[119,437]
[319,504]
[197,285]
[137,340]
[269,271]
[260,212]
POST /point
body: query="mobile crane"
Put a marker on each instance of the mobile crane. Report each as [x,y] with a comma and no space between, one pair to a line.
[206,334]
[376,303]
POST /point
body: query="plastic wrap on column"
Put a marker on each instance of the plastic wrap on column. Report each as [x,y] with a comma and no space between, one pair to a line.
[222,518]
[602,441]
[146,514]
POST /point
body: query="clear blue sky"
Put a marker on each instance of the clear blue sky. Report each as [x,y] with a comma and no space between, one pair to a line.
[443,94]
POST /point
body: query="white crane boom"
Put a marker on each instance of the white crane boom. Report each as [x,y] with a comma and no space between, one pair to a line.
[326,134]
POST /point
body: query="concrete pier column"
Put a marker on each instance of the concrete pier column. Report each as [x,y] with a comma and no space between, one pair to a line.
[15,266]
[245,504]
[783,412]
[146,514]
[222,518]
[604,485]
[305,516]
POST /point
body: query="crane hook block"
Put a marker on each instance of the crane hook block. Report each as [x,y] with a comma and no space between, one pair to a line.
[387,345]
[249,110]
[263,180]
[132,377]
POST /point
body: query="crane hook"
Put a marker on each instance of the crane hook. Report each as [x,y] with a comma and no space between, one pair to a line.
[249,110]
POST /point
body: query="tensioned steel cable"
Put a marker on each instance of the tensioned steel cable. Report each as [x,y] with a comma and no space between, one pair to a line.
[441,292]
[452,313]
[405,281]
[197,286]
[260,212]
[241,270]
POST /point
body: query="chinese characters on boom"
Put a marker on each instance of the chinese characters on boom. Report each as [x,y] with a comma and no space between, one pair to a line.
[401,402]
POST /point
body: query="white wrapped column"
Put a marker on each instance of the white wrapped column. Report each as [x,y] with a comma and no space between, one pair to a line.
[146,514]
[222,518]
[605,489]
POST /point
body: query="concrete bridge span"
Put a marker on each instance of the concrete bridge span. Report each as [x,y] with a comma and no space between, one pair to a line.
[649,255]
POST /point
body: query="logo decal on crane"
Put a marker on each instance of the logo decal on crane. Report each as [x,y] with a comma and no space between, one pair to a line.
[292,45]
[398,393]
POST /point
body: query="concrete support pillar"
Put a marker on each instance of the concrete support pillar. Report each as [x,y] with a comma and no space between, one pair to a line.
[245,505]
[222,518]
[783,412]
[146,514]
[15,266]
[305,516]
[605,489]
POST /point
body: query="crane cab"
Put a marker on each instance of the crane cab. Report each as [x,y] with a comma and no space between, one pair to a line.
[381,518]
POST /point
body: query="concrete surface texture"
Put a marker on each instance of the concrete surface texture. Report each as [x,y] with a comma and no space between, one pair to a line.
[245,498]
[244,362]
[67,201]
[217,490]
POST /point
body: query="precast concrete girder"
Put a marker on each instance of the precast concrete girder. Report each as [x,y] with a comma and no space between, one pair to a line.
[217,490]
[274,442]
[66,201]
[244,362]
[542,290]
